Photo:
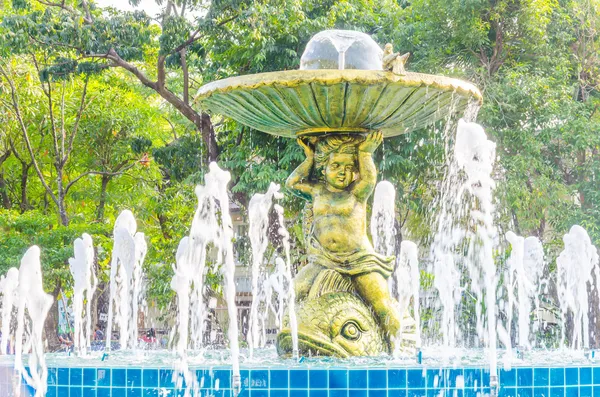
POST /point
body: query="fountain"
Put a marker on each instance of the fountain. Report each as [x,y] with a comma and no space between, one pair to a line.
[355,320]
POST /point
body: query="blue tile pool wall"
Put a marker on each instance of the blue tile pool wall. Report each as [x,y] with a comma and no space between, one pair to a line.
[321,382]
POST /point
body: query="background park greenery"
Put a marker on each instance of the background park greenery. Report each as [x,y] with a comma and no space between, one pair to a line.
[97,114]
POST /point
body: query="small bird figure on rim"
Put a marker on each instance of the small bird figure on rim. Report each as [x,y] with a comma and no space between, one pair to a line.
[393,61]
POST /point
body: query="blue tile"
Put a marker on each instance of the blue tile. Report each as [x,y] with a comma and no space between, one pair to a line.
[63,376]
[571,376]
[508,378]
[377,393]
[338,379]
[51,391]
[245,378]
[204,378]
[435,392]
[541,392]
[396,393]
[357,378]
[377,379]
[153,392]
[317,379]
[507,392]
[585,376]
[166,378]
[416,392]
[52,376]
[133,392]
[119,392]
[298,393]
[435,378]
[572,391]
[221,393]
[556,391]
[103,392]
[318,393]
[76,391]
[525,377]
[244,392]
[259,393]
[279,379]
[356,393]
[338,393]
[134,377]
[63,391]
[472,377]
[298,379]
[278,393]
[485,378]
[89,376]
[118,377]
[596,375]
[415,379]
[541,377]
[525,391]
[103,377]
[76,377]
[557,377]
[585,391]
[89,391]
[259,379]
[150,377]
[596,391]
[452,377]
[396,378]
[224,378]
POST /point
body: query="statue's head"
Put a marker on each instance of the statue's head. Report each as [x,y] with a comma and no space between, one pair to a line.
[336,159]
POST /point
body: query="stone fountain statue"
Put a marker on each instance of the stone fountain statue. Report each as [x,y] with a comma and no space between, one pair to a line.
[346,98]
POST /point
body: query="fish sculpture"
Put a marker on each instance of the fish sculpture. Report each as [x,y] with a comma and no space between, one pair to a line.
[334,321]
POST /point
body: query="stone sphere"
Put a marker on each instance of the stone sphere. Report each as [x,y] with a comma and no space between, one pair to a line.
[341,49]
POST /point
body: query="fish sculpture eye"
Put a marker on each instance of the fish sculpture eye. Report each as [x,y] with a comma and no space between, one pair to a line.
[351,331]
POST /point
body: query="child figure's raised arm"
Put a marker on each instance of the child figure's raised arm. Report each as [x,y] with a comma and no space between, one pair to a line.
[365,185]
[298,181]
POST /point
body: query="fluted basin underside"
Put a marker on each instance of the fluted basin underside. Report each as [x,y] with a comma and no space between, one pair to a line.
[302,102]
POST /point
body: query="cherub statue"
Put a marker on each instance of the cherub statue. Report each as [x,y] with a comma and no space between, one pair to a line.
[344,179]
[393,61]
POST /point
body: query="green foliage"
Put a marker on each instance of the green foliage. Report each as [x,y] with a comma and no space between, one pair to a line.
[20,231]
[536,62]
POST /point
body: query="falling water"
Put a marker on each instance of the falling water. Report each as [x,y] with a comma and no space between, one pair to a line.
[85,283]
[408,282]
[383,216]
[278,284]
[258,220]
[33,305]
[475,155]
[287,270]
[445,249]
[524,271]
[129,251]
[575,265]
[206,228]
[9,284]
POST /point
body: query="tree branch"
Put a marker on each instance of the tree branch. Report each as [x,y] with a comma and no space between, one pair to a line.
[82,106]
[26,135]
[110,173]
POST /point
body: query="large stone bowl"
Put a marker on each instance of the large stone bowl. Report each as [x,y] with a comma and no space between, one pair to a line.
[315,102]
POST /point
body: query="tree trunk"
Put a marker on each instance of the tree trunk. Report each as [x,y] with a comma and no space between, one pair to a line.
[3,193]
[51,324]
[208,135]
[102,202]
[24,179]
